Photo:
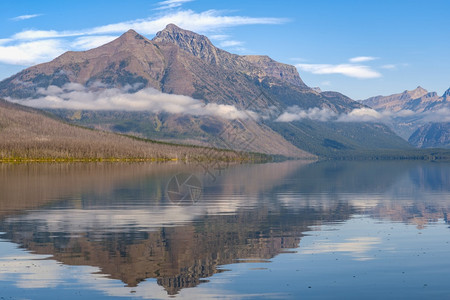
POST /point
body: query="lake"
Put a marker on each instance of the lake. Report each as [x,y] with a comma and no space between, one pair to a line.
[294,229]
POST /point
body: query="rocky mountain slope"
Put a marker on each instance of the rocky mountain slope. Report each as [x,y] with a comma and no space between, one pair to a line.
[418,115]
[181,62]
[431,135]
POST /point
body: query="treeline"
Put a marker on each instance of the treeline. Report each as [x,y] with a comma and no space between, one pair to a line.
[28,134]
[392,154]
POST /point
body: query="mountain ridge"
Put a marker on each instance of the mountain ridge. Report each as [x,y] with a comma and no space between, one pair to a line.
[166,66]
[418,99]
[181,62]
[201,47]
[419,116]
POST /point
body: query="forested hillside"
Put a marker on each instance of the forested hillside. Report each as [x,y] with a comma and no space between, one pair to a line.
[27,133]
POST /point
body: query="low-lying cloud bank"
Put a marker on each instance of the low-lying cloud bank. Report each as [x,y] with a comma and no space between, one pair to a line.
[441,115]
[295,113]
[76,96]
[363,114]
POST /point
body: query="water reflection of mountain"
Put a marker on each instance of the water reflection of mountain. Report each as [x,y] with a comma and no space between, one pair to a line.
[117,218]
[178,256]
[435,177]
[369,176]
[400,191]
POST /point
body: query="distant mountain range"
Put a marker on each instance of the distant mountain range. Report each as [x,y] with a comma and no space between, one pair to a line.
[179,87]
[419,116]
[417,100]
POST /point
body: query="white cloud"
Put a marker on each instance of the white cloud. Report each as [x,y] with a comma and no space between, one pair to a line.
[230,43]
[30,35]
[219,37]
[25,17]
[389,67]
[359,59]
[76,96]
[89,42]
[404,113]
[206,21]
[225,41]
[441,115]
[28,53]
[4,41]
[23,47]
[350,70]
[168,4]
[295,113]
[366,114]
[361,115]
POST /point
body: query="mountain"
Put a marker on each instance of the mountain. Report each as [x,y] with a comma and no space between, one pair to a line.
[342,140]
[417,100]
[27,133]
[417,116]
[432,135]
[446,95]
[181,62]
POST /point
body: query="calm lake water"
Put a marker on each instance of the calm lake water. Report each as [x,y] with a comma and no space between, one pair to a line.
[294,229]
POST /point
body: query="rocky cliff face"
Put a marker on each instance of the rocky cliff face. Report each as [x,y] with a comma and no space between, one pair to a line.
[446,96]
[432,135]
[200,46]
[267,67]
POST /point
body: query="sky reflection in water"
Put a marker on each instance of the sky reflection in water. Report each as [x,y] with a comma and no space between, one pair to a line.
[282,230]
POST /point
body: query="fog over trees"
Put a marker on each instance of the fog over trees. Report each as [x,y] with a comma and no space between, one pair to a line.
[27,133]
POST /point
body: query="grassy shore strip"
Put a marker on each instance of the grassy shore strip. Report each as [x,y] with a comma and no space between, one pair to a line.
[71,159]
[243,158]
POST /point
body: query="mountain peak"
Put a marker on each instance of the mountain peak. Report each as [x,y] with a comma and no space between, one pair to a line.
[446,95]
[173,27]
[174,34]
[130,35]
[419,88]
[417,92]
[194,43]
[131,31]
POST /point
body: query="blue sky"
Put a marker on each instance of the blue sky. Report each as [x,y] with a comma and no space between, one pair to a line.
[360,48]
